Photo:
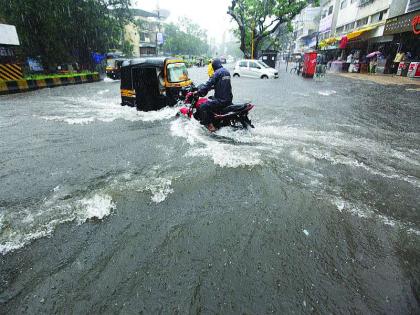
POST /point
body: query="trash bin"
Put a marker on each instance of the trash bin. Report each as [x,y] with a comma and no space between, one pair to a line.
[309,64]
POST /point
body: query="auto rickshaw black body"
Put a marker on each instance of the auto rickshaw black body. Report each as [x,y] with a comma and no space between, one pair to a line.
[153,83]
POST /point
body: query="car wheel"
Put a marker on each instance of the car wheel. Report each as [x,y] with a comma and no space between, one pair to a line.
[236,75]
[264,77]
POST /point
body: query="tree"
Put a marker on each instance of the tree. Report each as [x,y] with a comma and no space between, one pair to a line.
[61,31]
[185,37]
[258,19]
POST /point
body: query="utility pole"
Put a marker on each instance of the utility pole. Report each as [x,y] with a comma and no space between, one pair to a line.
[252,40]
[156,37]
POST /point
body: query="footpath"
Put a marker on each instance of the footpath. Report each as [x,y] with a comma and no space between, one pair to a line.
[384,79]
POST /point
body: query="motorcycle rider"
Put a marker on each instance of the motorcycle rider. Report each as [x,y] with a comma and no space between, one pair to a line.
[220,82]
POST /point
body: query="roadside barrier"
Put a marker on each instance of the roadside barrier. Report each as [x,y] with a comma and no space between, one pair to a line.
[10,71]
[22,85]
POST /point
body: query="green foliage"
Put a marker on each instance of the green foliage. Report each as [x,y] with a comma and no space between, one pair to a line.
[259,19]
[52,76]
[185,38]
[64,31]
[127,48]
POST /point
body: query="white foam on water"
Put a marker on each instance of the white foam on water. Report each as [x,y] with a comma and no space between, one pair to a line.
[26,225]
[225,156]
[157,185]
[204,144]
[365,212]
[109,80]
[102,92]
[327,92]
[19,227]
[301,157]
[83,110]
[328,145]
[98,207]
[161,191]
[336,159]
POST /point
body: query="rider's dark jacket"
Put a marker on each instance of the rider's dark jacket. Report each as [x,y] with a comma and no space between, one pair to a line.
[220,82]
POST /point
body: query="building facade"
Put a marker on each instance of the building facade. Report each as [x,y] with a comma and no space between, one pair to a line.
[305,27]
[360,27]
[328,19]
[145,33]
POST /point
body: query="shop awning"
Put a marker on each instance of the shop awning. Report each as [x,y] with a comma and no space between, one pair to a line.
[362,30]
[329,41]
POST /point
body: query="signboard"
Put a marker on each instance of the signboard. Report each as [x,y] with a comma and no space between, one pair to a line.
[8,35]
[416,24]
[402,23]
[159,38]
[325,24]
[34,65]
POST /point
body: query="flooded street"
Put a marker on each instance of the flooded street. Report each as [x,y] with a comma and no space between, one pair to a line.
[104,209]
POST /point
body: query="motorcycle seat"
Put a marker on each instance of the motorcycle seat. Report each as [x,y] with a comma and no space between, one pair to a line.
[234,108]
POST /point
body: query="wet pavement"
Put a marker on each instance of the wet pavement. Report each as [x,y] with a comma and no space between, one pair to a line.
[104,209]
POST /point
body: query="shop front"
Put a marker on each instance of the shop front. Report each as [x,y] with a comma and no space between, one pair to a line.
[405,30]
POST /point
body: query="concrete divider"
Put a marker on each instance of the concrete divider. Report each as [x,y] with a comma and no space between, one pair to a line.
[18,86]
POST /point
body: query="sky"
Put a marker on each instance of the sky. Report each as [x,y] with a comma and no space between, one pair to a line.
[209,14]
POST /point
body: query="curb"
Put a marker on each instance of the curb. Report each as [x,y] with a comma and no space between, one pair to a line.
[19,86]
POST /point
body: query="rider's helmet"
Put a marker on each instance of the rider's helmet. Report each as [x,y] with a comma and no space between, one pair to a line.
[216,64]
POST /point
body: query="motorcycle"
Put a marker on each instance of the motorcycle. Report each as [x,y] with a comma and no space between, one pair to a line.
[235,115]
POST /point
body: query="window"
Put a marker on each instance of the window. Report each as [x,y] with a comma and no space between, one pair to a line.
[362,22]
[378,16]
[254,65]
[330,10]
[262,64]
[243,64]
[365,2]
[144,37]
[343,4]
[352,1]
[349,26]
[177,72]
[340,29]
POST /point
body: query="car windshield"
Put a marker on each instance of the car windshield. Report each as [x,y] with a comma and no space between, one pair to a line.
[177,72]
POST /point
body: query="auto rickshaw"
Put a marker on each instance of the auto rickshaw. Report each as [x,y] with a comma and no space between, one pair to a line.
[153,83]
[113,68]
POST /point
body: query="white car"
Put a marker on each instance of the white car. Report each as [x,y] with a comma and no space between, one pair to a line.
[254,69]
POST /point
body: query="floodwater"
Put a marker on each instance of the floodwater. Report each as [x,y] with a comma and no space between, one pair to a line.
[104,209]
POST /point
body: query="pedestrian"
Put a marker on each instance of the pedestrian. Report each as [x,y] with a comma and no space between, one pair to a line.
[210,70]
[372,64]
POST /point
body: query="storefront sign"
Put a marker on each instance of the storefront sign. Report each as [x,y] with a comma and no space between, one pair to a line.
[403,23]
[416,24]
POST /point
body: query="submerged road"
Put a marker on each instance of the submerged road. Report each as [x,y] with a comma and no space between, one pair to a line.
[104,209]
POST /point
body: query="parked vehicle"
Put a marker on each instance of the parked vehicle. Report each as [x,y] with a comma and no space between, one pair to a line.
[113,68]
[153,83]
[254,69]
[235,115]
